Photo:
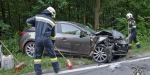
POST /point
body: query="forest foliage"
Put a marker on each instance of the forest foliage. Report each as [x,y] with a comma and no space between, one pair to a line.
[112,14]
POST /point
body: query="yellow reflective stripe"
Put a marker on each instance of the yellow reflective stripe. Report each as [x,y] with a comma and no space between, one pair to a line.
[53,37]
[134,26]
[29,24]
[53,59]
[37,60]
[45,20]
[130,44]
[137,43]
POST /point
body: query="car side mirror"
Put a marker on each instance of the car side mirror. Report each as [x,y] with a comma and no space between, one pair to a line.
[83,34]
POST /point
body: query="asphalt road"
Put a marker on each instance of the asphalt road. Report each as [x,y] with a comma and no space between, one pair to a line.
[118,67]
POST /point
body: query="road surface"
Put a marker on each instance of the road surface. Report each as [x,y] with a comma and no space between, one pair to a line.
[118,67]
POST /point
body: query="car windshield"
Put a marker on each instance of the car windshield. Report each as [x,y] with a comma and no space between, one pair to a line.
[87,28]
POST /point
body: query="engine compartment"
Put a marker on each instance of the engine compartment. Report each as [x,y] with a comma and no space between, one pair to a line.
[114,39]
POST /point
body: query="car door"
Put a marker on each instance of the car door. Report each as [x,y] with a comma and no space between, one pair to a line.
[57,30]
[70,40]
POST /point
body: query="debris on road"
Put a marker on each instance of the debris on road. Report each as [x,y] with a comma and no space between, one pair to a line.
[114,66]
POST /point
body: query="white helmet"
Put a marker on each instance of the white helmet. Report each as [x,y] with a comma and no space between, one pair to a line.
[52,11]
[129,15]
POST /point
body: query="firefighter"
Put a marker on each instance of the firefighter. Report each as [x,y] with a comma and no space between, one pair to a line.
[45,27]
[132,31]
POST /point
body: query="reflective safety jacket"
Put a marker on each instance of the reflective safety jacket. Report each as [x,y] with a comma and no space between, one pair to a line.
[44,24]
[132,25]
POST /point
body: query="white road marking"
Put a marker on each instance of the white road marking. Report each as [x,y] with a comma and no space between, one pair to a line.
[96,66]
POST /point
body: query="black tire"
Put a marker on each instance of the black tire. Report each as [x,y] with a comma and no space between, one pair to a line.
[29,49]
[99,54]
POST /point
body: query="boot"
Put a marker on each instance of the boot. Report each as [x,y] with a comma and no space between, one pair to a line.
[56,71]
[138,46]
[129,49]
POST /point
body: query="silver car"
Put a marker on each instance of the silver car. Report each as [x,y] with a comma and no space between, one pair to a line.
[78,40]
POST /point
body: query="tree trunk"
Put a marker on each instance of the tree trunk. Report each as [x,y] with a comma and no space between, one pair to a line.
[3,11]
[69,12]
[97,9]
[16,16]
[9,16]
[84,18]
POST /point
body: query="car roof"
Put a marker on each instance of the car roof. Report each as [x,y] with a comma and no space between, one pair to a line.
[66,22]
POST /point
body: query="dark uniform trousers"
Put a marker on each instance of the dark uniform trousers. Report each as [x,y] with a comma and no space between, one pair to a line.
[133,38]
[42,42]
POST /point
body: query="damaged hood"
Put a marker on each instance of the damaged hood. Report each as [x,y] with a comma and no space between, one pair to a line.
[114,33]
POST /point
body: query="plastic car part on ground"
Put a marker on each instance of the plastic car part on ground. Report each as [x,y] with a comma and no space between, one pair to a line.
[114,66]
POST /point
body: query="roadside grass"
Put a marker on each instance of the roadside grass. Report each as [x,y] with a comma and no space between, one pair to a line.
[145,48]
[46,64]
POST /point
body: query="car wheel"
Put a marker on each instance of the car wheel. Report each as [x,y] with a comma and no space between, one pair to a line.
[100,55]
[29,49]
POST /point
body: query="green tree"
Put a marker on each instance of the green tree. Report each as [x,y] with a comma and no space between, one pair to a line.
[112,14]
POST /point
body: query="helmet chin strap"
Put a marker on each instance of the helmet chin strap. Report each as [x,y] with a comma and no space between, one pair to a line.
[53,16]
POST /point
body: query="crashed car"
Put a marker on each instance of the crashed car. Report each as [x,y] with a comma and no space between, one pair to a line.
[109,43]
[75,39]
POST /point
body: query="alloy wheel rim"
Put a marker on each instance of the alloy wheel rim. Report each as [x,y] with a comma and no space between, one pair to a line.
[99,55]
[30,50]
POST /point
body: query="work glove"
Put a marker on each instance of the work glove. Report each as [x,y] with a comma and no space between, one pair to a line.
[53,41]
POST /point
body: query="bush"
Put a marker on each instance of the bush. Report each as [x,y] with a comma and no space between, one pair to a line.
[5,32]
[11,43]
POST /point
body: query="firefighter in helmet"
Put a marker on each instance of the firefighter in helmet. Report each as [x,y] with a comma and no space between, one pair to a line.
[45,28]
[132,31]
